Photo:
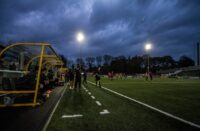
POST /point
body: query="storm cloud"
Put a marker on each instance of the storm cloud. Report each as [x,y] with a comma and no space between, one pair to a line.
[115,27]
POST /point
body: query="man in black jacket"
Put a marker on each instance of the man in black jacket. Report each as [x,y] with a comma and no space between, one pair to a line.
[77,84]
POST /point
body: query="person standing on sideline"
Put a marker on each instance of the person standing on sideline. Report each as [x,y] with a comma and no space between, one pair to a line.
[146,75]
[77,84]
[151,76]
[71,79]
[97,79]
[84,77]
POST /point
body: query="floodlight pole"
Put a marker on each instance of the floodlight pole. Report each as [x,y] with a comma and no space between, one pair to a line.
[148,48]
[80,56]
[80,38]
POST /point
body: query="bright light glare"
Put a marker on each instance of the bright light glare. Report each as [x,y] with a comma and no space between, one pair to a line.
[80,37]
[148,46]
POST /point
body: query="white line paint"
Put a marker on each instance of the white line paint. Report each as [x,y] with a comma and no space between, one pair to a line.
[84,88]
[92,97]
[54,109]
[72,116]
[109,83]
[98,103]
[89,93]
[105,111]
[151,107]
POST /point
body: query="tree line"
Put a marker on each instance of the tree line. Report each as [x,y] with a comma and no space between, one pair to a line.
[130,65]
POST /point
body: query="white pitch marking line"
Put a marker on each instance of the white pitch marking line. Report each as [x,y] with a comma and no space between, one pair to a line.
[98,103]
[92,97]
[151,107]
[85,88]
[72,116]
[89,93]
[104,112]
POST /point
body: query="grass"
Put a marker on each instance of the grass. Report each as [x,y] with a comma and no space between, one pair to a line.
[179,97]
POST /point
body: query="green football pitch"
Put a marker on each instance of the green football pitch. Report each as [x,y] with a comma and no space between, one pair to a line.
[94,108]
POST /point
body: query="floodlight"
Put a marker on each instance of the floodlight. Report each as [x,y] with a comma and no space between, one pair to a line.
[148,46]
[80,37]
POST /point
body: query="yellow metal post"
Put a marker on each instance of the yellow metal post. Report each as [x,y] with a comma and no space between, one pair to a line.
[38,76]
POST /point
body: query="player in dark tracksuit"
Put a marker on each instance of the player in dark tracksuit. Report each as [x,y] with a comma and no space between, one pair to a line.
[97,79]
[77,84]
[84,77]
[71,79]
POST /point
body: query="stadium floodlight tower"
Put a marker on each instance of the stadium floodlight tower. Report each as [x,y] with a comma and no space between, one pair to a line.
[80,37]
[148,47]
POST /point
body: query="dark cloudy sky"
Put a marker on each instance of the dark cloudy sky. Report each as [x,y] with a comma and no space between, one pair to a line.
[115,27]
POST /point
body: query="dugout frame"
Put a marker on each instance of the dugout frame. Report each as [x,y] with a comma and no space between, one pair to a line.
[41,57]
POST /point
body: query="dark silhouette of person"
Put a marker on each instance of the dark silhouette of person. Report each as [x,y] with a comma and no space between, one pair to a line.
[50,77]
[151,75]
[146,75]
[43,84]
[71,78]
[97,79]
[77,84]
[84,77]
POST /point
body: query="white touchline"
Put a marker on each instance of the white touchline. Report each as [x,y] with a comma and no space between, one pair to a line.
[72,116]
[84,88]
[105,111]
[98,103]
[151,107]
[54,109]
[92,97]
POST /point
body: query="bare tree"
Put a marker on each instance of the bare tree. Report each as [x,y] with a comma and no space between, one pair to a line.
[98,60]
[107,59]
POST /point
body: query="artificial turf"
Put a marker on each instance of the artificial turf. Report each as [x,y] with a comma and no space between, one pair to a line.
[179,97]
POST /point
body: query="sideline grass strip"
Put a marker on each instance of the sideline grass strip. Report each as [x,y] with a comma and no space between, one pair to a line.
[53,111]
